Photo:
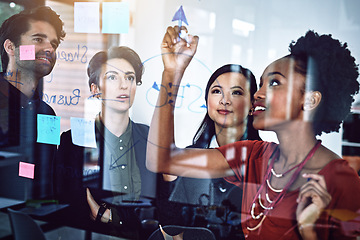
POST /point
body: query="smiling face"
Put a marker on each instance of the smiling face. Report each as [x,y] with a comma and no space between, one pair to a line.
[117,85]
[229,100]
[280,98]
[43,35]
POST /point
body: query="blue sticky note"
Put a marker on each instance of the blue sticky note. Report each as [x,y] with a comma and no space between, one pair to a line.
[86,17]
[48,129]
[115,17]
[83,132]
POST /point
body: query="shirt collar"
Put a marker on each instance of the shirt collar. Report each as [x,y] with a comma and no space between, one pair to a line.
[110,138]
[213,143]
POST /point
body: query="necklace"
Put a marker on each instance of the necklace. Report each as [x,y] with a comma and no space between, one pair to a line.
[279,175]
[268,198]
[266,208]
[273,189]
[281,192]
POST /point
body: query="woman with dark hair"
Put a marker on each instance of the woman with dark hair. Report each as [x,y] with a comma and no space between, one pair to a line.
[209,127]
[228,97]
[297,189]
[121,144]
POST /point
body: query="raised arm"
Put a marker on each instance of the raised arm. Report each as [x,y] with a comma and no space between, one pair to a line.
[162,154]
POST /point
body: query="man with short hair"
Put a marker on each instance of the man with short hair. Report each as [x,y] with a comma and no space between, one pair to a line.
[19,84]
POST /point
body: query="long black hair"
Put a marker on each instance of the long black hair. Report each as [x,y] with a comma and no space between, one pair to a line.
[206,130]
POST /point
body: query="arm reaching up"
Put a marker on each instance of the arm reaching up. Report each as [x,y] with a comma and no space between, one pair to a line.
[162,154]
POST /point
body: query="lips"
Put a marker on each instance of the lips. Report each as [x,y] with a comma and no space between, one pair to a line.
[46,59]
[123,97]
[224,111]
[258,108]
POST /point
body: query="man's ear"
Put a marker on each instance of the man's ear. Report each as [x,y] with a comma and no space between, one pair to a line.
[95,91]
[312,100]
[9,47]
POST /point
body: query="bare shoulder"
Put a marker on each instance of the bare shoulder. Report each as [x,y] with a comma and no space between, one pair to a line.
[321,158]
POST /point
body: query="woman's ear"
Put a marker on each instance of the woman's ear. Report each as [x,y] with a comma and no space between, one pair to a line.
[9,47]
[95,91]
[312,100]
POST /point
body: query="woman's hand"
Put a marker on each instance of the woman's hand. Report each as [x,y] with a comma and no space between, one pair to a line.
[313,198]
[94,208]
[177,52]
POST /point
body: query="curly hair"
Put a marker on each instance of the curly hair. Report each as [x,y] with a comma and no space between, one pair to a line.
[18,24]
[206,130]
[122,52]
[331,70]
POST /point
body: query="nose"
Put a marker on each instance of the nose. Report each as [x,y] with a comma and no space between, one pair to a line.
[123,83]
[225,100]
[49,47]
[260,94]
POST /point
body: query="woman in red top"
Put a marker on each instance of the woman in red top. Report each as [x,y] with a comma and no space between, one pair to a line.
[297,189]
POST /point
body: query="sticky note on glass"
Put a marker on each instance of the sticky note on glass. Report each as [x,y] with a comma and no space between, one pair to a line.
[115,17]
[26,170]
[87,17]
[48,129]
[83,132]
[27,52]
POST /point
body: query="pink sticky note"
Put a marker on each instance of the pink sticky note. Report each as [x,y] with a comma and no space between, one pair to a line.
[27,52]
[26,170]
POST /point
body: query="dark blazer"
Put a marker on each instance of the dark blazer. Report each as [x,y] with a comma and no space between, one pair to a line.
[22,138]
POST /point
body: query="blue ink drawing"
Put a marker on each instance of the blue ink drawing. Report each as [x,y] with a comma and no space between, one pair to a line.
[155,86]
[115,163]
[180,16]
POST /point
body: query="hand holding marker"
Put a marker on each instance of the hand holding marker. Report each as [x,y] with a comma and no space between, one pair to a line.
[180,16]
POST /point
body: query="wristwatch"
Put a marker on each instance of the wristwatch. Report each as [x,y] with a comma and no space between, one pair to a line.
[100,213]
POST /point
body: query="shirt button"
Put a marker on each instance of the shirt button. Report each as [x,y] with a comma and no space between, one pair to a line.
[120,222]
[123,167]
[120,140]
[125,187]
[121,148]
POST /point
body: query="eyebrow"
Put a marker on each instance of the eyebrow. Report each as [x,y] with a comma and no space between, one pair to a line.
[219,86]
[39,35]
[129,72]
[276,73]
[115,72]
[237,87]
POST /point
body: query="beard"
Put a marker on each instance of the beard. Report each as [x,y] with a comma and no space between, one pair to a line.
[42,65]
